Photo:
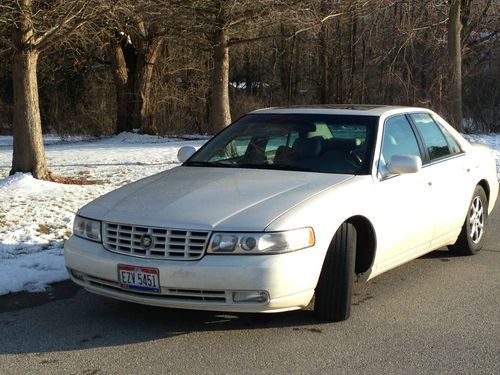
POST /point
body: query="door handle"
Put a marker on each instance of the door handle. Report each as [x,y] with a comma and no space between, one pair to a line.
[429,183]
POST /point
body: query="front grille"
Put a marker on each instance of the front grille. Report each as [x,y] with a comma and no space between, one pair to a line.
[173,244]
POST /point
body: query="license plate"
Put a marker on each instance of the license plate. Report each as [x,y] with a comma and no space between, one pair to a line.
[142,279]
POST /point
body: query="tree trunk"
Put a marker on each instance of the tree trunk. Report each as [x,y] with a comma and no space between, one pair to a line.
[363,68]
[144,108]
[121,79]
[324,68]
[292,72]
[28,151]
[455,65]
[352,57]
[220,114]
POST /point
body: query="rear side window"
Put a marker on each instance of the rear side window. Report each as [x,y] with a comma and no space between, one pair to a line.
[452,142]
[434,139]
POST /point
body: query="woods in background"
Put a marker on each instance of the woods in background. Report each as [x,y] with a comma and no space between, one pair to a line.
[99,67]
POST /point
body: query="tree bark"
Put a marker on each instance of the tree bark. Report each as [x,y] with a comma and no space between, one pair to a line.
[121,79]
[455,65]
[28,150]
[352,57]
[133,67]
[220,114]
[144,107]
[324,66]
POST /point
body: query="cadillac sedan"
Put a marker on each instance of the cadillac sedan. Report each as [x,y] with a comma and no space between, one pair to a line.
[286,204]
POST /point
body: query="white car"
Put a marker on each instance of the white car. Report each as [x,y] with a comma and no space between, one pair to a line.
[286,204]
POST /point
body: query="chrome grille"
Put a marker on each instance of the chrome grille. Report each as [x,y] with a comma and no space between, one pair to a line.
[167,243]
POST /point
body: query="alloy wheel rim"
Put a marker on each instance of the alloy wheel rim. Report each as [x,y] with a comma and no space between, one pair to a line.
[476,220]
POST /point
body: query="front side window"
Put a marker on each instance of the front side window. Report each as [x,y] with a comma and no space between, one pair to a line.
[302,142]
[398,139]
[432,136]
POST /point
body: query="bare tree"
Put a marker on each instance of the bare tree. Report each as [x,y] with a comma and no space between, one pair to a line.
[140,28]
[173,61]
[35,27]
[455,64]
[225,24]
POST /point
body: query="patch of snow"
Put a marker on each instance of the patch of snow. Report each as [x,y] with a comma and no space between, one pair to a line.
[134,137]
[5,140]
[242,85]
[37,216]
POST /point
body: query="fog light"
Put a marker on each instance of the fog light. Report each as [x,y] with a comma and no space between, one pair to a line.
[77,275]
[251,296]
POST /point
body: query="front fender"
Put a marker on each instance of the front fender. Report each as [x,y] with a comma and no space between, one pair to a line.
[326,211]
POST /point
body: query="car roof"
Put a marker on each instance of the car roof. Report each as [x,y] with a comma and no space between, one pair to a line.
[338,109]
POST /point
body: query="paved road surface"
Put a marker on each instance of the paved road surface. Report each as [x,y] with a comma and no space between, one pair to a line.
[438,314]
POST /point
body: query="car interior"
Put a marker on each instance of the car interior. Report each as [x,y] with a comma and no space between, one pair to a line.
[309,151]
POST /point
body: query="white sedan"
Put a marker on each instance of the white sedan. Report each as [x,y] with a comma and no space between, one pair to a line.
[286,204]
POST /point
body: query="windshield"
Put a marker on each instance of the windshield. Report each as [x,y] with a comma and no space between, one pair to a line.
[301,142]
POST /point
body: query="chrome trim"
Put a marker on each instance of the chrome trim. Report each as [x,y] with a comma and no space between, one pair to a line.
[168,243]
[444,158]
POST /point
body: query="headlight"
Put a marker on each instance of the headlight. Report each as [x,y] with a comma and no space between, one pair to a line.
[261,243]
[87,228]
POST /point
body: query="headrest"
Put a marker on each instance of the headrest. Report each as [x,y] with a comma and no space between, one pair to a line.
[307,147]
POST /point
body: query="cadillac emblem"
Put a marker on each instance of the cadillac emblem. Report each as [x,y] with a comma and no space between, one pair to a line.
[147,241]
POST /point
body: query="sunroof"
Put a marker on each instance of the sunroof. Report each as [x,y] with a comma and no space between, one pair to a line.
[356,107]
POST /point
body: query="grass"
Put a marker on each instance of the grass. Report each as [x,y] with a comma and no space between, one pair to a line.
[75,181]
[44,229]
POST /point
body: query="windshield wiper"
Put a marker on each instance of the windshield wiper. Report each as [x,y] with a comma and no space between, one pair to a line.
[209,164]
[284,167]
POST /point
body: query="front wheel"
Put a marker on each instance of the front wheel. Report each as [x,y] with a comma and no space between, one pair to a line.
[334,289]
[470,240]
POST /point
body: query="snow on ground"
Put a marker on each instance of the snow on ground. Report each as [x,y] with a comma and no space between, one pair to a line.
[36,216]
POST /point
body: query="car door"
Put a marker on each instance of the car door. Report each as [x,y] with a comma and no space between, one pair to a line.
[404,220]
[445,169]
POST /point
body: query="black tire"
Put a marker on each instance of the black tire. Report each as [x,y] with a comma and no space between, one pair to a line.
[334,289]
[469,242]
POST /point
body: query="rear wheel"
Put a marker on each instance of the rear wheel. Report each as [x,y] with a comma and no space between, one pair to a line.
[334,289]
[470,240]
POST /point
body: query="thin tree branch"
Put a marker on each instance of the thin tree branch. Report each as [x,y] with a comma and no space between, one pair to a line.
[235,42]
[54,38]
[322,21]
[55,32]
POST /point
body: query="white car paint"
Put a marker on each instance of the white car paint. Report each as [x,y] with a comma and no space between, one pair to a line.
[210,198]
[411,214]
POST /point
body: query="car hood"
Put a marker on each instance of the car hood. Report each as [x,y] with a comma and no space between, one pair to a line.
[210,198]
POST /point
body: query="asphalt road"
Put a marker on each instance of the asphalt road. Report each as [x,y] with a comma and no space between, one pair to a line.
[438,314]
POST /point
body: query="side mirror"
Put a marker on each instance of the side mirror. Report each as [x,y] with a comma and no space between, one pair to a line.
[402,164]
[185,153]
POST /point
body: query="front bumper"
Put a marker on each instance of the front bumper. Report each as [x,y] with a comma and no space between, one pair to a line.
[205,284]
